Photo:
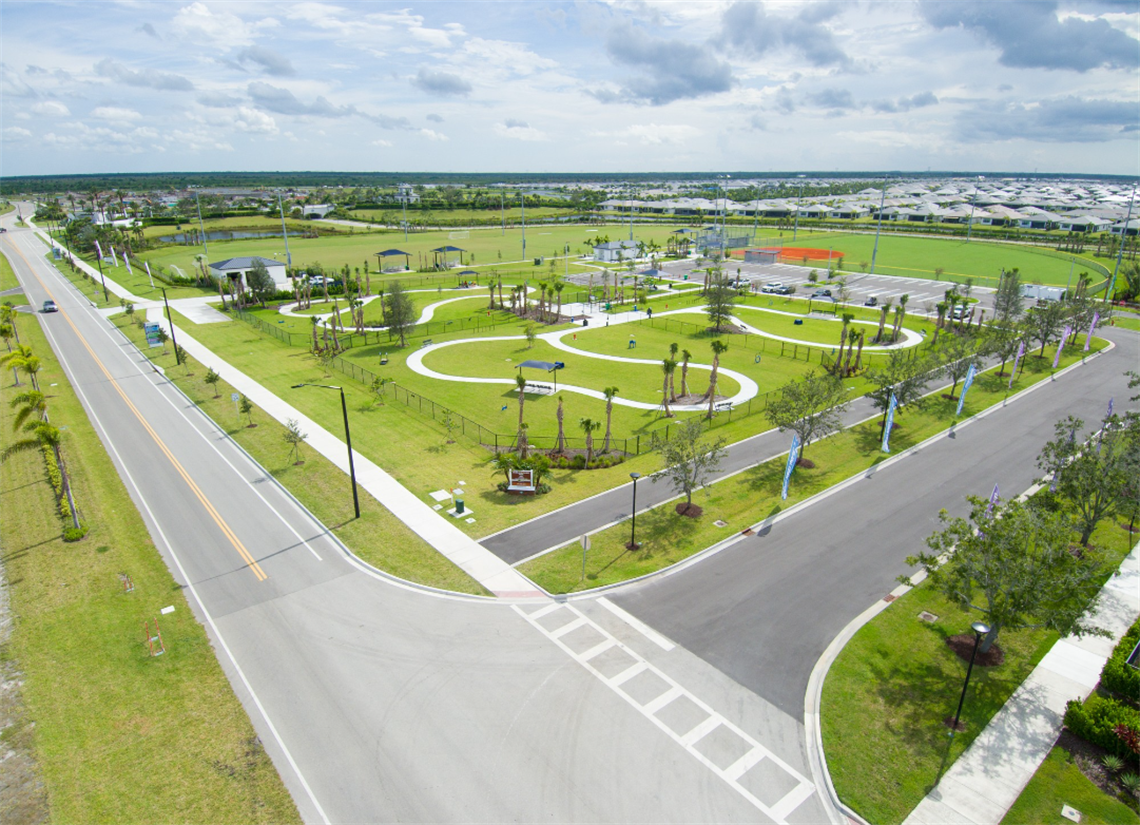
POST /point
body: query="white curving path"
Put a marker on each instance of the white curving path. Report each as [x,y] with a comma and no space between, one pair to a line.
[748,387]
[425,315]
[910,338]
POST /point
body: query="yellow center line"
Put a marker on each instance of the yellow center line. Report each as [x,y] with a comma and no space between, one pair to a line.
[221,522]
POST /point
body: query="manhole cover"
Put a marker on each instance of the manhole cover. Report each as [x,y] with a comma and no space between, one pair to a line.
[720,523]
[927,616]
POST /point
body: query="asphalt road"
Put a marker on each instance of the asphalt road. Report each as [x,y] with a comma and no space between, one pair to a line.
[764,610]
[382,702]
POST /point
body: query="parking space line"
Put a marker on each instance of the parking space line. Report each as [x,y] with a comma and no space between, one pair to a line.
[800,792]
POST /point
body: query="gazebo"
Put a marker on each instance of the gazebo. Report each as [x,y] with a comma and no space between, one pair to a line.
[468,273]
[445,251]
[546,366]
[388,253]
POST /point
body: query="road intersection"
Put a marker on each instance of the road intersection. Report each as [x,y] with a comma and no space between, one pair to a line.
[678,699]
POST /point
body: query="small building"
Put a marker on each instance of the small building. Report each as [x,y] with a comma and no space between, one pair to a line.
[1041,293]
[615,251]
[237,268]
[316,210]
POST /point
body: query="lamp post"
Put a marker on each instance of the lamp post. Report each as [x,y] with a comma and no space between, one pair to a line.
[973,203]
[980,629]
[170,321]
[347,439]
[633,529]
[878,227]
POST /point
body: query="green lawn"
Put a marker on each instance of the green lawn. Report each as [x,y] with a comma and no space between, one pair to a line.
[1127,322]
[118,736]
[887,693]
[919,257]
[1059,782]
[88,287]
[753,495]
[377,536]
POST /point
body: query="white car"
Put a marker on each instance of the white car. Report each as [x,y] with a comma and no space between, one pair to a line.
[772,287]
[49,306]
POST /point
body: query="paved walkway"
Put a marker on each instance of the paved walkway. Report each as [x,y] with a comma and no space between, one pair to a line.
[987,779]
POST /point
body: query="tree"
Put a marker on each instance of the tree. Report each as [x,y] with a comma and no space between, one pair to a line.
[22,359]
[520,382]
[718,347]
[686,356]
[377,387]
[609,393]
[504,463]
[810,407]
[721,298]
[212,378]
[1012,564]
[1003,342]
[673,349]
[1089,476]
[246,407]
[688,459]
[884,310]
[162,337]
[531,335]
[400,311]
[294,438]
[1042,323]
[668,367]
[900,314]
[904,377]
[1008,301]
[560,444]
[589,427]
[260,283]
[27,403]
[958,354]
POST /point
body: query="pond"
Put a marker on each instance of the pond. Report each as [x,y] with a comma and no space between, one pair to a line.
[217,235]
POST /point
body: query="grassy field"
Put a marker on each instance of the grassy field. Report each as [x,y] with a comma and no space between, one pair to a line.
[251,223]
[377,536]
[513,214]
[890,688]
[119,736]
[919,257]
[89,288]
[753,495]
[1059,782]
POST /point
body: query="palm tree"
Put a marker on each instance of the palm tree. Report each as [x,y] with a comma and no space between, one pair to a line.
[941,307]
[504,463]
[859,354]
[520,382]
[850,352]
[8,315]
[560,445]
[899,316]
[717,347]
[673,348]
[685,357]
[884,310]
[589,426]
[6,332]
[609,393]
[32,401]
[558,287]
[668,366]
[523,444]
[22,359]
[847,319]
[45,434]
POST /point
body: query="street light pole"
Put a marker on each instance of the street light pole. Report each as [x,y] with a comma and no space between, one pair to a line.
[878,227]
[1120,252]
[973,204]
[347,439]
[169,320]
[980,629]
[633,529]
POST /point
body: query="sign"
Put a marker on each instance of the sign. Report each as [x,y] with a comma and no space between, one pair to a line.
[585,540]
[234,397]
[522,481]
[151,329]
[793,457]
[965,389]
[890,423]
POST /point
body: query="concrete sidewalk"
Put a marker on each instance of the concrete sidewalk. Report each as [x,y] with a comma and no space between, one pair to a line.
[987,779]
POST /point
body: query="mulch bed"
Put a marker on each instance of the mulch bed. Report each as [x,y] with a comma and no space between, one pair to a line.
[1087,756]
[963,646]
[690,510]
[806,463]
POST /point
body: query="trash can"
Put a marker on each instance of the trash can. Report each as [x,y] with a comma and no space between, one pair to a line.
[585,322]
[459,507]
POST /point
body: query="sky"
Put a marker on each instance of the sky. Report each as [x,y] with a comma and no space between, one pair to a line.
[587,86]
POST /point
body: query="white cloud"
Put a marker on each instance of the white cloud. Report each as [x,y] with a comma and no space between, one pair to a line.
[218,31]
[431,134]
[519,130]
[255,121]
[384,144]
[51,108]
[16,133]
[115,113]
[654,134]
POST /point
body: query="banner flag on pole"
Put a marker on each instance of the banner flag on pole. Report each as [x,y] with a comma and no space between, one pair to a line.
[993,500]
[99,249]
[1020,352]
[965,388]
[793,456]
[1109,413]
[151,277]
[127,261]
[1061,346]
[114,257]
[1092,328]
[890,422]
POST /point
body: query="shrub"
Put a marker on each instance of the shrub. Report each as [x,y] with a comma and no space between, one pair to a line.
[75,533]
[1095,721]
[1118,676]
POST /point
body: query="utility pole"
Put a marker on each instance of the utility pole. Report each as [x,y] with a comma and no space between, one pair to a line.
[522,200]
[878,226]
[284,232]
[201,226]
[1120,252]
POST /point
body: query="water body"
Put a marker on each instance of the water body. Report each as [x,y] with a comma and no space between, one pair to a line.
[217,235]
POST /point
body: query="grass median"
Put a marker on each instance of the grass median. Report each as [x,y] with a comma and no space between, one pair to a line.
[1059,782]
[888,692]
[378,537]
[753,495]
[119,736]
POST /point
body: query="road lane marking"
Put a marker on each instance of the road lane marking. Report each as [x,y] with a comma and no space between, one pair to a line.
[638,625]
[250,561]
[776,809]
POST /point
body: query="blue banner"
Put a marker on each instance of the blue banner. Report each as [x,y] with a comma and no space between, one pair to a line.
[890,423]
[965,389]
[793,456]
[1016,361]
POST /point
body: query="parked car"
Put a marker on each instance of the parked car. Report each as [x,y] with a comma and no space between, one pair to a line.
[871,302]
[959,312]
[772,287]
[784,290]
[49,306]
[822,293]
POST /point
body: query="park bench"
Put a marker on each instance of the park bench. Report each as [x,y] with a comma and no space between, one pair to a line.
[426,343]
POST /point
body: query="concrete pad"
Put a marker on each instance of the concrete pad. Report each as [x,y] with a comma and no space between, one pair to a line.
[972,800]
[440,495]
[1070,661]
[935,812]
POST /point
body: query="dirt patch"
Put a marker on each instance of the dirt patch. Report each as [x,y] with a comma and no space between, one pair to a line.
[949,397]
[690,510]
[806,463]
[963,647]
[1087,757]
